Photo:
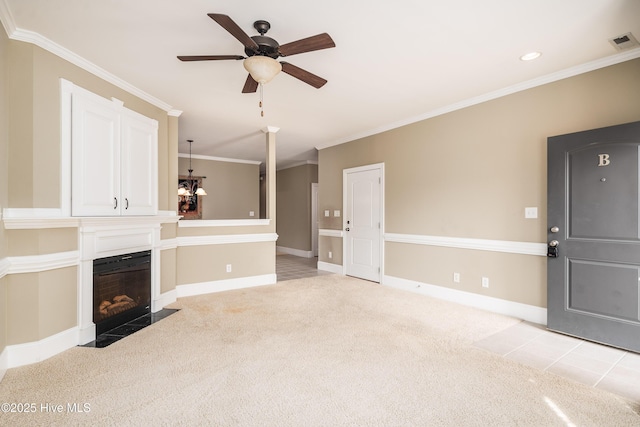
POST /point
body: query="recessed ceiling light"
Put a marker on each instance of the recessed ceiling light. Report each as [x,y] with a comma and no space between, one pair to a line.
[530,56]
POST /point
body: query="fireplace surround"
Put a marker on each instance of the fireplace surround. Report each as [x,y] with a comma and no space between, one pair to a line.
[109,237]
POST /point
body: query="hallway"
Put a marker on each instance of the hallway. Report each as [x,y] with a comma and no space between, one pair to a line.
[289,267]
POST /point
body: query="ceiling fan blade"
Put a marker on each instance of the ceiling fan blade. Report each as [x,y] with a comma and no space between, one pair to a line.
[209,57]
[303,75]
[250,86]
[321,41]
[233,29]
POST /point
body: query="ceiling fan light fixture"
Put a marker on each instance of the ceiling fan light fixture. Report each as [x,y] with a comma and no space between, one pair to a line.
[262,68]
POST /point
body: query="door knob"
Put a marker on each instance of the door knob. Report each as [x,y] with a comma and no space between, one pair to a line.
[555,229]
[552,249]
[347,229]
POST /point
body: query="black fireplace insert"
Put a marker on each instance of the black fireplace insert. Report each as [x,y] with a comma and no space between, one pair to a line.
[121,289]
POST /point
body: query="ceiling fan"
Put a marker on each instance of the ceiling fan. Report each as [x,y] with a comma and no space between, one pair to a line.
[262,52]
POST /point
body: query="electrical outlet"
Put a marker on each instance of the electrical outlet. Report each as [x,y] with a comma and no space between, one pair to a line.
[252,213]
[228,268]
[485,282]
[456,277]
[330,255]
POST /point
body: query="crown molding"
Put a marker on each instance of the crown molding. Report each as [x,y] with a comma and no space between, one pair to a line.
[220,159]
[296,164]
[34,38]
[529,84]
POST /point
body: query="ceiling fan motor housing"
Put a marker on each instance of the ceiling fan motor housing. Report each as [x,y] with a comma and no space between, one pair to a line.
[266,47]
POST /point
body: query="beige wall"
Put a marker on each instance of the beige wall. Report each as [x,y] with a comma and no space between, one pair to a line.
[470,174]
[4,177]
[34,306]
[34,135]
[233,189]
[41,304]
[293,193]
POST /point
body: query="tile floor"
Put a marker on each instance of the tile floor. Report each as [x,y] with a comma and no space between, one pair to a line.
[290,267]
[600,366]
[109,337]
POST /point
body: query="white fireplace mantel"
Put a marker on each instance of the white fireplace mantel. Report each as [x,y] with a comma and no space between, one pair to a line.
[104,237]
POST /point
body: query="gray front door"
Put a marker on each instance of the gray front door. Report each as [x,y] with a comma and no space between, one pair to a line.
[593,287]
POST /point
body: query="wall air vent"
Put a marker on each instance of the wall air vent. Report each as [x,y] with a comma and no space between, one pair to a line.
[624,42]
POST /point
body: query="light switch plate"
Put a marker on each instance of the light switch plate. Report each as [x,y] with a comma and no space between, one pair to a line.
[326,213]
[336,213]
[531,212]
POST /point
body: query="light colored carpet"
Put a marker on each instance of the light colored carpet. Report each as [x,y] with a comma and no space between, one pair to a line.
[323,351]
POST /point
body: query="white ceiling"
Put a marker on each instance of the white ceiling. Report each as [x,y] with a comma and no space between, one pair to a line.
[394,62]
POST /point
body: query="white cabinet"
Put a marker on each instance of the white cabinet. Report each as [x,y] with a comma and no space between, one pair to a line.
[114,158]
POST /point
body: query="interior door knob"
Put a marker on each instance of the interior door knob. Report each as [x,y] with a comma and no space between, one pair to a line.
[347,229]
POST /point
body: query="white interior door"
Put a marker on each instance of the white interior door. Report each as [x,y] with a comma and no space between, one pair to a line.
[363,222]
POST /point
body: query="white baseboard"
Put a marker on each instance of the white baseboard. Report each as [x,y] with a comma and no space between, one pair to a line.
[333,268]
[526,312]
[163,300]
[37,351]
[4,363]
[296,252]
[224,285]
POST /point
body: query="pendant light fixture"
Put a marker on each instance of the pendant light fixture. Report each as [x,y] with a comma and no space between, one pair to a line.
[189,187]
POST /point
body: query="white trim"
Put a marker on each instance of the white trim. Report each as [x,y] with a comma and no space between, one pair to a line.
[540,81]
[330,232]
[4,363]
[222,223]
[226,239]
[165,299]
[193,289]
[64,53]
[38,263]
[31,219]
[168,244]
[296,252]
[270,129]
[5,267]
[496,305]
[174,113]
[332,268]
[220,159]
[296,164]
[37,351]
[524,248]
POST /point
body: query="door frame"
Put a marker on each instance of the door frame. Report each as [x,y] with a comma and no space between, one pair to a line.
[345,173]
[314,219]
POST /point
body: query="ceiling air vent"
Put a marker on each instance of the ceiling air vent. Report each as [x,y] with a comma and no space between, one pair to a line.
[624,42]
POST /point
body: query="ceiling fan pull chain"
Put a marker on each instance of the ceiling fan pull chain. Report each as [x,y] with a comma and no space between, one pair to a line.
[261,97]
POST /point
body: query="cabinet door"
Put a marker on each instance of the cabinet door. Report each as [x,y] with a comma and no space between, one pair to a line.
[95,158]
[139,161]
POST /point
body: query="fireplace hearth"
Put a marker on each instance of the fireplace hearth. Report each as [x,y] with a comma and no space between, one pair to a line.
[121,289]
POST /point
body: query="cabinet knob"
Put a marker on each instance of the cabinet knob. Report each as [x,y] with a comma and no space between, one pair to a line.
[115,203]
